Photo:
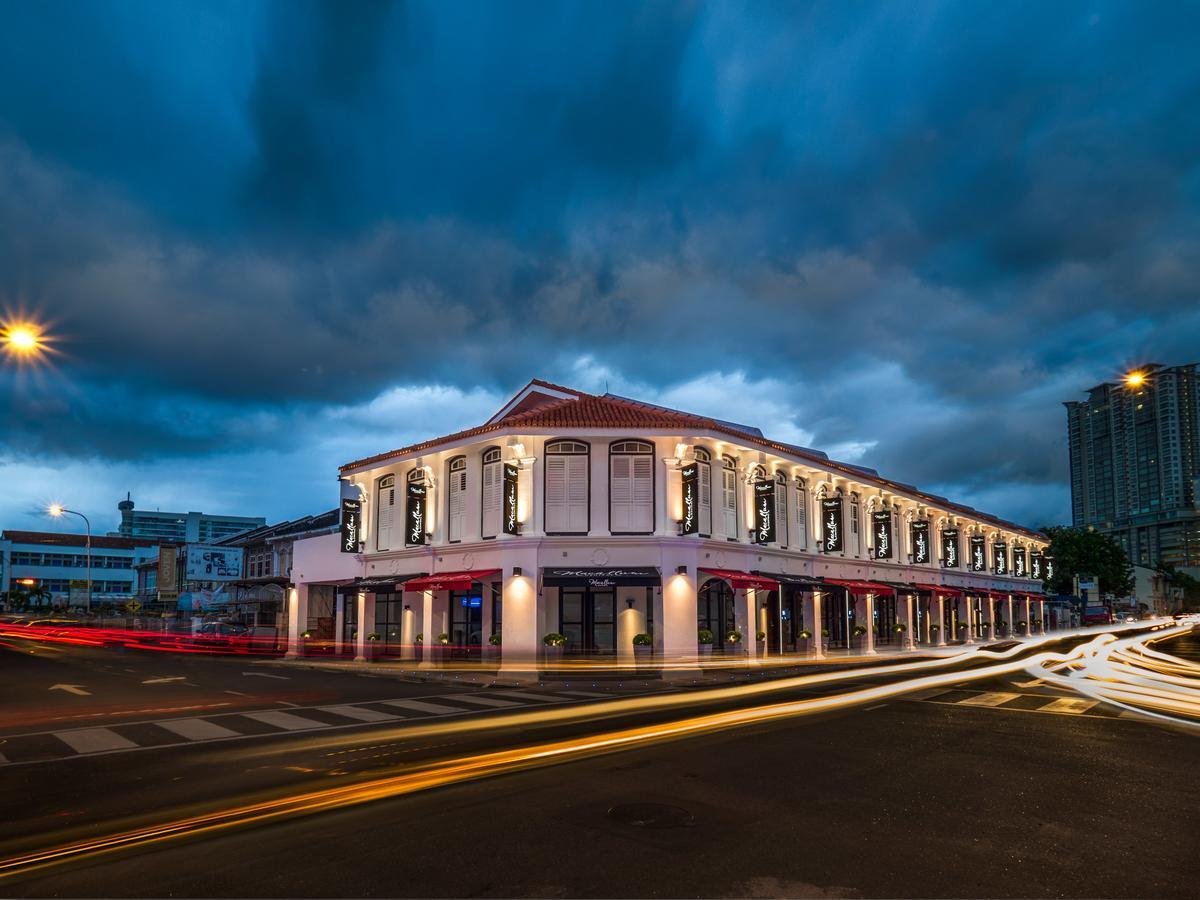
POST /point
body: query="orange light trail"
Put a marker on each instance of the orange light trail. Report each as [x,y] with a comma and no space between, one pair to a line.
[506,761]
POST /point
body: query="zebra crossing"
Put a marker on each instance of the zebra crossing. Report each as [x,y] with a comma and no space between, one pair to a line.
[226,726]
[1054,704]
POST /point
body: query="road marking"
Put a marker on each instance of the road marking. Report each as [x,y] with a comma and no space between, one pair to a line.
[196,729]
[238,693]
[422,706]
[486,701]
[93,740]
[265,675]
[876,706]
[1069,705]
[283,720]
[76,689]
[165,679]
[992,698]
[360,713]
[541,697]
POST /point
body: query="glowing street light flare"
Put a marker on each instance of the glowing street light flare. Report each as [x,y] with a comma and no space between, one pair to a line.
[1135,379]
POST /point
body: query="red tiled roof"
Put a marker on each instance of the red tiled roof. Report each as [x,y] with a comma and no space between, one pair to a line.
[606,411]
[75,540]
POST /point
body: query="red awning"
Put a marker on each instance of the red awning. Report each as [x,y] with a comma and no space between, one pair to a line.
[863,587]
[449,581]
[743,580]
[939,589]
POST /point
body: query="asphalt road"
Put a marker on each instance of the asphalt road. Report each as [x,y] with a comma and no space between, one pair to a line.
[1034,794]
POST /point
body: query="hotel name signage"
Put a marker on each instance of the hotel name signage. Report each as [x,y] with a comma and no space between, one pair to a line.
[978,557]
[920,542]
[950,548]
[1019,567]
[764,511]
[881,524]
[1000,558]
[351,525]
[1035,565]
[831,525]
[691,488]
[511,476]
[414,515]
[634,576]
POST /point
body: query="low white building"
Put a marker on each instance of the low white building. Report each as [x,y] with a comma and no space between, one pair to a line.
[599,518]
[55,566]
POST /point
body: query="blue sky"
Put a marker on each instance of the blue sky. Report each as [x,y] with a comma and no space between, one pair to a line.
[278,236]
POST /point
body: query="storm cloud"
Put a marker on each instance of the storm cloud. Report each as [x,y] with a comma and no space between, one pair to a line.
[277,236]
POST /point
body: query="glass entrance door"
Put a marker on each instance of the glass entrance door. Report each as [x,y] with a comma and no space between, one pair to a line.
[837,615]
[714,607]
[588,619]
[466,622]
[885,618]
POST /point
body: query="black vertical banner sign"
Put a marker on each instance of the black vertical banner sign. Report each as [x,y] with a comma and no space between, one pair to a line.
[831,525]
[691,498]
[1049,561]
[511,476]
[764,511]
[881,527]
[351,525]
[978,555]
[950,548]
[920,542]
[414,516]
[1019,569]
[1035,565]
[1000,558]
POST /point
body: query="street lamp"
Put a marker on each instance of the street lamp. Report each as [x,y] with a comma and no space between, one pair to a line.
[1135,379]
[57,510]
[22,339]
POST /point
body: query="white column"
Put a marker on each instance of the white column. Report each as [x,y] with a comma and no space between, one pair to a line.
[366,624]
[908,641]
[870,604]
[744,618]
[408,632]
[1028,616]
[941,620]
[629,622]
[339,621]
[1042,615]
[812,622]
[1012,623]
[521,641]
[429,631]
[677,623]
[969,609]
[990,618]
[297,612]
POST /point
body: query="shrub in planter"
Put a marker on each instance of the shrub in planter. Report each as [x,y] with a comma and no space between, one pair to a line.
[733,637]
[858,630]
[704,638]
[373,636]
[306,635]
[806,635]
[934,629]
[899,628]
[419,639]
[443,639]
[554,639]
[984,626]
[643,640]
[760,636]
[1021,623]
[1037,623]
[494,640]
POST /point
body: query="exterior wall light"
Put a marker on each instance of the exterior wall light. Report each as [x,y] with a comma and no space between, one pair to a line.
[516,571]
[681,570]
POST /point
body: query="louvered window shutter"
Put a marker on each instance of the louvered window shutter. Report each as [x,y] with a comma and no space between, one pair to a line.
[457,504]
[556,494]
[641,513]
[620,487]
[705,499]
[577,493]
[781,519]
[384,517]
[491,499]
[729,502]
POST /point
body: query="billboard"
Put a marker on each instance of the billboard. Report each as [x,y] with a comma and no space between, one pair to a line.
[208,563]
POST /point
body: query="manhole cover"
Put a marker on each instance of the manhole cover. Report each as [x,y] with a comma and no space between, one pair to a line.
[652,815]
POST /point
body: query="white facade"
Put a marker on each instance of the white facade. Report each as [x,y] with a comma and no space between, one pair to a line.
[56,566]
[599,487]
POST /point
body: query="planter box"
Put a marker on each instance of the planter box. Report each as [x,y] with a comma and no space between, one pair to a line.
[492,653]
[705,649]
[554,655]
[643,655]
[760,647]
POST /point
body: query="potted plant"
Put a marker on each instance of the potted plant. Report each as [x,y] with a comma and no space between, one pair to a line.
[492,650]
[704,638]
[898,630]
[858,631]
[418,647]
[760,639]
[806,636]
[983,628]
[372,647]
[934,630]
[1022,626]
[643,647]
[733,638]
[555,643]
[1037,623]
[441,649]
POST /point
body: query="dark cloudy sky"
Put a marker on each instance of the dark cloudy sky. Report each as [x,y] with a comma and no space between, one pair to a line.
[278,236]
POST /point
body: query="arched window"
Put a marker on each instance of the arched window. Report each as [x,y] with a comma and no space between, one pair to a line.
[456,498]
[704,477]
[385,512]
[801,540]
[491,487]
[631,487]
[568,488]
[729,491]
[781,510]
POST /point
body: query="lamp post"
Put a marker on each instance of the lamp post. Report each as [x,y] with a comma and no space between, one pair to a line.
[58,511]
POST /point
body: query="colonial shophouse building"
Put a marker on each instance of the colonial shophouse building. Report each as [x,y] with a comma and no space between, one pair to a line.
[598,518]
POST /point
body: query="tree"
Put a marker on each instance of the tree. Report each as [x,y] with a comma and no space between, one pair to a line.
[1084,551]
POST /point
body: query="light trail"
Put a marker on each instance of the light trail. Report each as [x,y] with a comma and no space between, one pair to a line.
[506,761]
[1127,672]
